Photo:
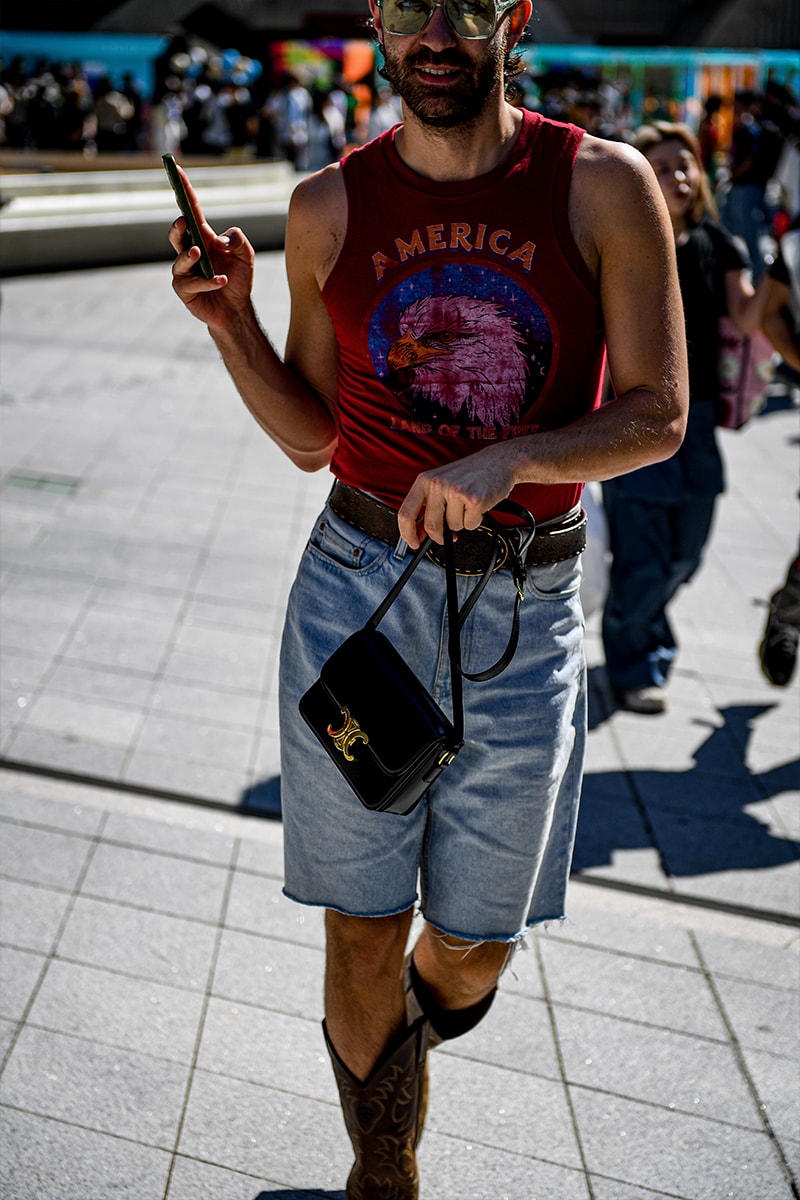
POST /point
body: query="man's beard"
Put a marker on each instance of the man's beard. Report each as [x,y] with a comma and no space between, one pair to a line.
[445,106]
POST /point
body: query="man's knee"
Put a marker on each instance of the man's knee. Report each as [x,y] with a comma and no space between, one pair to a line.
[470,967]
[366,941]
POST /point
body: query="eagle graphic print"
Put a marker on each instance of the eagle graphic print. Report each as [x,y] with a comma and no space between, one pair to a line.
[462,344]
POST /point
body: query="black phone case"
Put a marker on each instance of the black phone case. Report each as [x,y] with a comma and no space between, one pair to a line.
[204,262]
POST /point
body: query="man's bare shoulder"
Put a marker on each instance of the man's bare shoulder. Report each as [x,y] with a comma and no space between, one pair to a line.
[318,219]
[320,190]
[602,166]
[614,192]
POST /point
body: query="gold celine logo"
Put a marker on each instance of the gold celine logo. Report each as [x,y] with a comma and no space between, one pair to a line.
[351,732]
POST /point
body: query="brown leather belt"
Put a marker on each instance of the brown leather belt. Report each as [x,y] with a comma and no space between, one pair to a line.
[553,542]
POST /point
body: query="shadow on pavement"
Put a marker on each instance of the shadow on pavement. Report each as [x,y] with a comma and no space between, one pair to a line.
[263,799]
[696,819]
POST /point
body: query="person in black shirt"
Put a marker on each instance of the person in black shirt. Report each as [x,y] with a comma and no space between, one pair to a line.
[659,517]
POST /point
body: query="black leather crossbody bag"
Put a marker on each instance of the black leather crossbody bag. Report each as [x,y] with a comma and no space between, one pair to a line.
[377,722]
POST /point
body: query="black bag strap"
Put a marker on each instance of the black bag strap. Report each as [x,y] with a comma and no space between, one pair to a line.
[454,632]
[516,551]
[516,547]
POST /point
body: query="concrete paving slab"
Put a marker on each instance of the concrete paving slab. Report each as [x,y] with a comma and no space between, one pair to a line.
[519,1030]
[120,638]
[596,920]
[625,986]
[76,719]
[145,945]
[669,1150]
[180,839]
[270,973]
[741,888]
[226,708]
[680,1072]
[775,1079]
[614,840]
[120,1092]
[65,754]
[31,915]
[100,684]
[222,745]
[32,807]
[47,638]
[8,1031]
[43,857]
[21,971]
[524,975]
[118,1012]
[52,1160]
[257,905]
[159,882]
[494,1106]
[749,956]
[172,775]
[236,1034]
[468,1168]
[259,1130]
[765,1017]
[261,858]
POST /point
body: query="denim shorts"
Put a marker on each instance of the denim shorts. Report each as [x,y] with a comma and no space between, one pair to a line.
[487,852]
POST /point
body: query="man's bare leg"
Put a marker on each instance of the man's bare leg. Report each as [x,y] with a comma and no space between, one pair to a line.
[378,1052]
[378,1061]
[364,1008]
[363,995]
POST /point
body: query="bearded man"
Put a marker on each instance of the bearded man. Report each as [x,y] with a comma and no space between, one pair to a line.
[456,284]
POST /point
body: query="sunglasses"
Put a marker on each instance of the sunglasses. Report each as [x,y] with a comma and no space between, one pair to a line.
[475,19]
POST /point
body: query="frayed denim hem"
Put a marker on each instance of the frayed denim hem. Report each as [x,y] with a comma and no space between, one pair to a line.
[511,939]
[392,912]
[514,939]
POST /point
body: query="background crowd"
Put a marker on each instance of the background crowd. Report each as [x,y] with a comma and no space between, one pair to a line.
[202,104]
[58,106]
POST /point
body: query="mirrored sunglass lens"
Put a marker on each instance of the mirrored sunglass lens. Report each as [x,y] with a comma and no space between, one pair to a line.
[468,18]
[405,16]
[471,18]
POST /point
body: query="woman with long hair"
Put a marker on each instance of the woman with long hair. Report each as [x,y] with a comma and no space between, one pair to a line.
[659,517]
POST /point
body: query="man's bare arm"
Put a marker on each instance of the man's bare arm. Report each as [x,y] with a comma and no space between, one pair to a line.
[622,228]
[294,400]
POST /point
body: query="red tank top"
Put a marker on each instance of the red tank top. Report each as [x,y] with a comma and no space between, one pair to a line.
[463,312]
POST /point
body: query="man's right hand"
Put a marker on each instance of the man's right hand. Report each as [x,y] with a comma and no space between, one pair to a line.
[221,300]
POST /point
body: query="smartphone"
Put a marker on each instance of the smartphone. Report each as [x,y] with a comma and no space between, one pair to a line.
[192,229]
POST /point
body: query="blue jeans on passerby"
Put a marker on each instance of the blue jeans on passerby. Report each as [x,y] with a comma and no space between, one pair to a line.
[657,546]
[744,213]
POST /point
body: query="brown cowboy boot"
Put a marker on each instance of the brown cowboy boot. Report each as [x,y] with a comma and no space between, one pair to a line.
[384,1116]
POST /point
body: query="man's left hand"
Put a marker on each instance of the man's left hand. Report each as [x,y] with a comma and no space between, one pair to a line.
[462,492]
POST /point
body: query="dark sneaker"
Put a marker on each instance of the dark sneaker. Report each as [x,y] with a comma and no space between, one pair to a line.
[646,700]
[778,650]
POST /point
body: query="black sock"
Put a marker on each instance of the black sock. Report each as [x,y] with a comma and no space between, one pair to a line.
[448,1023]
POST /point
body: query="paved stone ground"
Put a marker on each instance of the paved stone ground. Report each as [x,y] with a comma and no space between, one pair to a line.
[161,1000]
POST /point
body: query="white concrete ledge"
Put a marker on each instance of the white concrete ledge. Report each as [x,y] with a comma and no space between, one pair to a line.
[82,219]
